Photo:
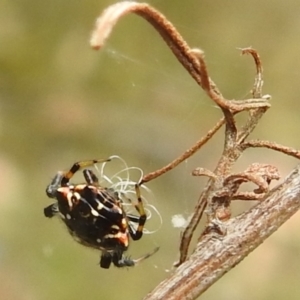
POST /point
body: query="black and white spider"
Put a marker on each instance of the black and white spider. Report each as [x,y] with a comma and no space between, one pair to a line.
[94,215]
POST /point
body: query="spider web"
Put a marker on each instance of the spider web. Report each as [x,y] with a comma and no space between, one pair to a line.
[122,180]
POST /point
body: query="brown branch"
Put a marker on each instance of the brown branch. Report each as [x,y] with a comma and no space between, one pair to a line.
[258,83]
[215,256]
[187,56]
[168,32]
[273,146]
[188,153]
[231,153]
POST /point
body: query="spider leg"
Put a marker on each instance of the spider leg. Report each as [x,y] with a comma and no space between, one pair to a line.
[126,261]
[63,178]
[54,185]
[105,260]
[141,220]
[122,261]
[77,166]
[90,177]
[51,210]
[133,218]
[117,258]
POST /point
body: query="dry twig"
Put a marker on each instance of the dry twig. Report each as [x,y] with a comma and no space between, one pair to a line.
[225,241]
[215,255]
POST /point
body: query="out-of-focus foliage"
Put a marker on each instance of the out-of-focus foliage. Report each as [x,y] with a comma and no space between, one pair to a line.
[61,102]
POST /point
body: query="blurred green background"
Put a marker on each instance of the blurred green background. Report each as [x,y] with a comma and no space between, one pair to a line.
[62,102]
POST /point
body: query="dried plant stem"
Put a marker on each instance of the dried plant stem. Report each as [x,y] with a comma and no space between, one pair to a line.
[231,153]
[258,83]
[188,153]
[168,32]
[216,255]
[273,146]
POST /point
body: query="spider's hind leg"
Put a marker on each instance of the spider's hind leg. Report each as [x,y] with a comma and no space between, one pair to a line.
[105,260]
[121,261]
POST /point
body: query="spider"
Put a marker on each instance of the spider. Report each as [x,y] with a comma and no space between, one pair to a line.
[94,215]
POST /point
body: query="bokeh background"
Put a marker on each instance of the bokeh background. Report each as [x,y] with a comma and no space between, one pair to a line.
[61,102]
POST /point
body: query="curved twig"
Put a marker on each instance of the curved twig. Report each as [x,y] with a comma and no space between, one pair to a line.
[271,145]
[168,32]
[188,153]
[258,83]
[187,56]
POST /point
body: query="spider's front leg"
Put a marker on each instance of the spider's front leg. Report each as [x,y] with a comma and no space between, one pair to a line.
[54,185]
[62,178]
[79,165]
[51,210]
